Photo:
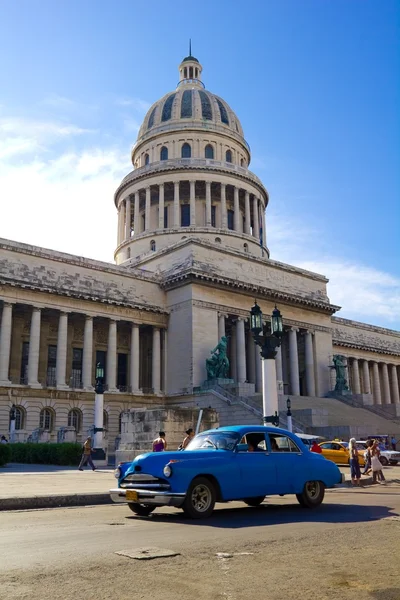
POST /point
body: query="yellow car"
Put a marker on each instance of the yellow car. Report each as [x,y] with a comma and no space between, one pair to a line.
[338,452]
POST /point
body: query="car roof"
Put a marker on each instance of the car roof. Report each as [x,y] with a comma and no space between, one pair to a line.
[243,429]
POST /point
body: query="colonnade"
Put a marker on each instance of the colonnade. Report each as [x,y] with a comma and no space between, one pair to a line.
[374,377]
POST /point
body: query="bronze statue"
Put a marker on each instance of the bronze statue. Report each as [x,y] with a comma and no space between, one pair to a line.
[218,365]
[340,368]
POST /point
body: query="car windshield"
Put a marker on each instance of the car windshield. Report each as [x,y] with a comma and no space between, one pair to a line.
[216,440]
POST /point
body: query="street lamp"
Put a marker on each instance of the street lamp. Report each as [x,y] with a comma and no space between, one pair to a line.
[289,415]
[98,414]
[13,415]
[269,343]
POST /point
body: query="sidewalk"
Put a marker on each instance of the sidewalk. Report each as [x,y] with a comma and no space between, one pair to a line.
[45,486]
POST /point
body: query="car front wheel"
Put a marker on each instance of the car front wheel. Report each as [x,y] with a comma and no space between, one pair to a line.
[312,495]
[200,499]
[384,461]
[143,510]
[256,501]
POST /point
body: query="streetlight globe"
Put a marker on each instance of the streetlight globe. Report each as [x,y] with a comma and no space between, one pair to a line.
[256,322]
[276,323]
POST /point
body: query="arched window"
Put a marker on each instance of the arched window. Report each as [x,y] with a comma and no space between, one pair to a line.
[228,156]
[105,419]
[75,419]
[209,151]
[164,153]
[46,419]
[245,247]
[186,151]
[146,159]
[241,162]
[152,246]
[19,418]
[151,118]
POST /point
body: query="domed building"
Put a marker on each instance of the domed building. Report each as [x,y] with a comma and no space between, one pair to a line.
[191,256]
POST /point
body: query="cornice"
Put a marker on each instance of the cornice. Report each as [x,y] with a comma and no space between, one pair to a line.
[369,348]
[364,326]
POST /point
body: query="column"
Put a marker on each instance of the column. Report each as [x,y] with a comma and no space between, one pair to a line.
[176,205]
[221,326]
[119,226]
[87,357]
[61,360]
[366,381]
[264,225]
[251,349]
[161,206]
[236,209]
[309,364]
[386,385]
[192,203]
[376,383]
[136,217]
[356,377]
[240,351]
[5,342]
[233,354]
[279,370]
[122,222]
[165,361]
[208,203]
[247,213]
[111,370]
[294,363]
[127,218]
[156,362]
[259,369]
[134,359]
[256,224]
[224,214]
[34,346]
[147,209]
[395,384]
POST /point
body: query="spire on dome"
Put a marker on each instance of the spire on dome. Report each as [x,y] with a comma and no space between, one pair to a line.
[190,69]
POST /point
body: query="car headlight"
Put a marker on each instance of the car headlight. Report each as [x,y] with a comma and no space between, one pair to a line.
[117,473]
[167,471]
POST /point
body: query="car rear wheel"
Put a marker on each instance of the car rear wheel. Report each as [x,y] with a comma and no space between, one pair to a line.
[312,494]
[384,461]
[200,499]
[256,501]
[143,510]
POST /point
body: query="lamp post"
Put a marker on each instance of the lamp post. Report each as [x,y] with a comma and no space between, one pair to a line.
[289,415]
[98,414]
[12,423]
[269,342]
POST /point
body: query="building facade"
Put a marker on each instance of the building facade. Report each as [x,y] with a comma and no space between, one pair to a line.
[191,256]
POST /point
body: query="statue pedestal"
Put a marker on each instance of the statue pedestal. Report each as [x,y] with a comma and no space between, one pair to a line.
[217,381]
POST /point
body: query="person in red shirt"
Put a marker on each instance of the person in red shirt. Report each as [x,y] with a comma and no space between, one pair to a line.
[316,448]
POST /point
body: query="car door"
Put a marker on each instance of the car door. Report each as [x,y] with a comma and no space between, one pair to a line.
[289,462]
[257,469]
[326,448]
[340,454]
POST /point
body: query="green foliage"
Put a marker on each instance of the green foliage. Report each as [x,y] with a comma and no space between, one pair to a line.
[67,454]
[5,454]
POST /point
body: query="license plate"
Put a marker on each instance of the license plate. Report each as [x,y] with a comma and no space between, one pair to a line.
[131,496]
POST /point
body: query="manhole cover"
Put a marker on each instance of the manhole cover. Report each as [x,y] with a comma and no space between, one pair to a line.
[147,553]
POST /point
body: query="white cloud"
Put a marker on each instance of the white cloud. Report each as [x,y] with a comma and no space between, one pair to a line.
[136,104]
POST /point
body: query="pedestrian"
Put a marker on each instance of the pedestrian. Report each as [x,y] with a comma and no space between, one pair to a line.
[376,464]
[354,463]
[160,443]
[393,441]
[316,447]
[87,455]
[3,440]
[367,458]
[189,436]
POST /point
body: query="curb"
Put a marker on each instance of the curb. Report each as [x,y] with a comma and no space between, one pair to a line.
[54,501]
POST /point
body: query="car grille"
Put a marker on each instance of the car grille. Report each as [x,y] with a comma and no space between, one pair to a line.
[142,480]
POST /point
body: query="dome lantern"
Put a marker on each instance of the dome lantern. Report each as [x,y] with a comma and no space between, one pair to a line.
[190,70]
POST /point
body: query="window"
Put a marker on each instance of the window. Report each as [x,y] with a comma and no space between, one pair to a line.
[218,240]
[46,419]
[282,443]
[213,212]
[152,246]
[19,418]
[185,72]
[101,358]
[120,423]
[190,72]
[146,159]
[76,375]
[122,372]
[186,151]
[164,153]
[196,72]
[222,112]
[167,108]
[245,247]
[209,151]
[252,442]
[230,219]
[228,156]
[165,216]
[206,109]
[185,215]
[51,365]
[151,118]
[241,162]
[186,104]
[105,420]
[24,363]
[75,419]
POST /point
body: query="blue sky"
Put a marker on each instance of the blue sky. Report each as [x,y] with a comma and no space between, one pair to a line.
[314,82]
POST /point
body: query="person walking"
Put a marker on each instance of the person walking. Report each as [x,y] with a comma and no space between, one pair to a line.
[316,447]
[376,464]
[393,441]
[160,443]
[189,436]
[354,463]
[367,458]
[3,440]
[87,455]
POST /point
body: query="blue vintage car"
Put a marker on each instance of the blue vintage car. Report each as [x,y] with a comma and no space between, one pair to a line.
[245,462]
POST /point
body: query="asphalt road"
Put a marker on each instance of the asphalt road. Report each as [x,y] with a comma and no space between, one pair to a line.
[347,549]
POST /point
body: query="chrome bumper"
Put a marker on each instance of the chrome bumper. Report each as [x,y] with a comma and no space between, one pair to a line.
[155,497]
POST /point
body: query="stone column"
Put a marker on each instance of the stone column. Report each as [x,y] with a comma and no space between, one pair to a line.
[356,376]
[147,209]
[192,203]
[119,226]
[161,206]
[87,358]
[156,362]
[136,216]
[233,354]
[128,219]
[224,214]
[61,360]
[240,351]
[309,364]
[165,361]
[251,348]
[112,356]
[5,342]
[177,207]
[122,222]
[221,326]
[236,218]
[256,224]
[247,213]
[366,381]
[208,203]
[395,384]
[259,369]
[279,369]
[34,346]
[386,385]
[294,362]
[376,383]
[264,225]
[134,359]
